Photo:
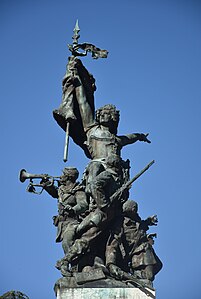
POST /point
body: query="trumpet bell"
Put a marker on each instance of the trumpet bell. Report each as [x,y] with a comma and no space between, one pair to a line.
[23,175]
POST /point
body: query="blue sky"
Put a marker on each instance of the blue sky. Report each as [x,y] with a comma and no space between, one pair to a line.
[153,76]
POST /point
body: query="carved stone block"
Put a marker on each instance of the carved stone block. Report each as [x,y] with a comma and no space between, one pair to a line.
[104,293]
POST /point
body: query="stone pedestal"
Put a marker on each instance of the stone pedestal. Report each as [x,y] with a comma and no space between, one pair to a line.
[95,285]
[104,293]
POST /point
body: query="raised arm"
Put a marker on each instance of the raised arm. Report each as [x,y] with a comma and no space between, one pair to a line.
[84,89]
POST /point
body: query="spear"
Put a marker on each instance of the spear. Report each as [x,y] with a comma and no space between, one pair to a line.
[85,48]
[75,38]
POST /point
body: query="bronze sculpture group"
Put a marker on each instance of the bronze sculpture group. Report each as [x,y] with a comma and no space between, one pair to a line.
[105,242]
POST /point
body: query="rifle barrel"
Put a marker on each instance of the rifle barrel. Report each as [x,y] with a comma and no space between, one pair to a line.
[140,173]
[129,183]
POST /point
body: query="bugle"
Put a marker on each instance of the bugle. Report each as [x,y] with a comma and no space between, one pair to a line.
[24,175]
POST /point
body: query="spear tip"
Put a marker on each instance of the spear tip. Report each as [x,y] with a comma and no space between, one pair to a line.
[77,29]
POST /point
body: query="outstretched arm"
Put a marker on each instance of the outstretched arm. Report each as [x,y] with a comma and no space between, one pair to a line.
[132,138]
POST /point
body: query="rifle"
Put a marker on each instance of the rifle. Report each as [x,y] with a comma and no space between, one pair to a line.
[139,284]
[121,275]
[127,185]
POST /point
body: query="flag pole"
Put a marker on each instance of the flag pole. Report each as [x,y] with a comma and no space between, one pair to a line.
[75,43]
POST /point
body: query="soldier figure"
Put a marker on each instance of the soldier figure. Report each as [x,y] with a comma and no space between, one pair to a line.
[144,263]
[102,211]
[72,202]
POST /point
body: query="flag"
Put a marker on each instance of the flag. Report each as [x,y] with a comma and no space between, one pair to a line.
[78,91]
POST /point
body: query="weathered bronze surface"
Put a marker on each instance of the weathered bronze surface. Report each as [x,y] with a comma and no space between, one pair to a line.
[105,242]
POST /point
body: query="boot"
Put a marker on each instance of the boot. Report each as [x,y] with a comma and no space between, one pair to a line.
[63,266]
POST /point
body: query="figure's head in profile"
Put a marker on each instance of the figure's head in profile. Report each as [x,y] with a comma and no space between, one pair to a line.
[130,208]
[108,116]
[69,174]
